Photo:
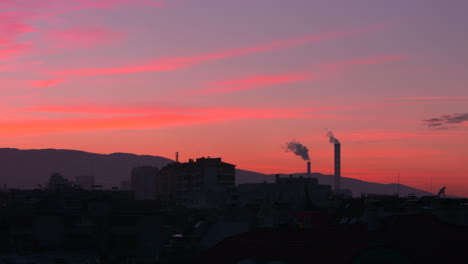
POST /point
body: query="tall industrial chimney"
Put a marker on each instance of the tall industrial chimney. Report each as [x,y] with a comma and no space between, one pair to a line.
[177,157]
[337,185]
[308,169]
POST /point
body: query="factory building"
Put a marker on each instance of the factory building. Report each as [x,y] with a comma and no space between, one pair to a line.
[291,192]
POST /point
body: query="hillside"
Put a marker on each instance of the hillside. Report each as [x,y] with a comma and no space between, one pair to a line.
[355,185]
[28,168]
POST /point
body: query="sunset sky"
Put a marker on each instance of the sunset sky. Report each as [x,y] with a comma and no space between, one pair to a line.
[238,79]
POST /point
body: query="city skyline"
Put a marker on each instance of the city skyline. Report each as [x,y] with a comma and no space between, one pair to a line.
[239,79]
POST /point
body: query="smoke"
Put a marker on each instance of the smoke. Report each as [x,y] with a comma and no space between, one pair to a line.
[298,149]
[332,138]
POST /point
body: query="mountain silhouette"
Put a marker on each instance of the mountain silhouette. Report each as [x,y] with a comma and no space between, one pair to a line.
[356,186]
[28,168]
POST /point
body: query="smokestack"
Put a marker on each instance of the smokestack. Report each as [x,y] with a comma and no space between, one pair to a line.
[336,143]
[337,185]
[308,169]
[177,157]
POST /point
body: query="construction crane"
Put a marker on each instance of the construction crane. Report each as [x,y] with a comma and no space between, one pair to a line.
[442,192]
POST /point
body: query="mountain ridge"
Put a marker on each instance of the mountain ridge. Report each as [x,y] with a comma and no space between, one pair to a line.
[357,186]
[26,168]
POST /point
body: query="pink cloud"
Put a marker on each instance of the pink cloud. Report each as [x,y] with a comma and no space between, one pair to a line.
[168,64]
[224,112]
[139,119]
[73,5]
[391,135]
[211,114]
[251,83]
[10,51]
[255,82]
[48,126]
[81,37]
[45,83]
[340,65]
[17,17]
[394,153]
[22,96]
[432,98]
[7,55]
[99,110]
[109,4]
[12,27]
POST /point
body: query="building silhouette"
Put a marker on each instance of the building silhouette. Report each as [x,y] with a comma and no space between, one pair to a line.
[290,193]
[84,182]
[57,181]
[143,182]
[203,182]
[126,185]
[63,223]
